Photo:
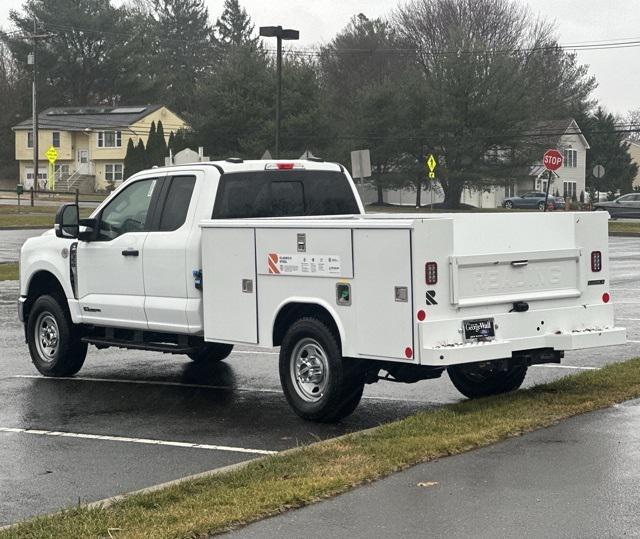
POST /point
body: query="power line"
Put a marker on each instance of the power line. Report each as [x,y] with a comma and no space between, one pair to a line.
[595,45]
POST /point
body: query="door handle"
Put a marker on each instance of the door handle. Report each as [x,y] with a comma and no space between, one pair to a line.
[130,252]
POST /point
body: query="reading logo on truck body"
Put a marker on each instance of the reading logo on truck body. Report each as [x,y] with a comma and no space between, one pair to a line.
[303,264]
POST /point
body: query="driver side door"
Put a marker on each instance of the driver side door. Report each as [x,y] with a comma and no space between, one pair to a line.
[109,269]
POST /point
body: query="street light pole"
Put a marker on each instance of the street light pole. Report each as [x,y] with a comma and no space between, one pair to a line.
[280,34]
[35,108]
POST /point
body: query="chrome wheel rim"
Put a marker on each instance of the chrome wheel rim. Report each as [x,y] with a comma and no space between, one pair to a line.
[47,336]
[309,370]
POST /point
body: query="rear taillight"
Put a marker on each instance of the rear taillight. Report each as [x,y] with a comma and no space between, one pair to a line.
[431,272]
[596,261]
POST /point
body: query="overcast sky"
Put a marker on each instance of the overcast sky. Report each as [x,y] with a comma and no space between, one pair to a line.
[617,71]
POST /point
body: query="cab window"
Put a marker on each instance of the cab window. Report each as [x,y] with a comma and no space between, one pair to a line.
[128,211]
[177,201]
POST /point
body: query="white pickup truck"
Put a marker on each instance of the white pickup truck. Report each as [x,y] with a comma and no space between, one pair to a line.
[196,259]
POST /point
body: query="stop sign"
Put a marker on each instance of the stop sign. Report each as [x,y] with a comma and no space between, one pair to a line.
[552,160]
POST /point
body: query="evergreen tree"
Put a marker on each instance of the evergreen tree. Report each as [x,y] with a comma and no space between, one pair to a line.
[234,27]
[130,164]
[161,143]
[183,35]
[171,145]
[152,146]
[179,141]
[609,149]
[141,160]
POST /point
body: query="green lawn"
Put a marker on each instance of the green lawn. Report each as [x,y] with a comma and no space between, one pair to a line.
[9,271]
[309,474]
[616,226]
[27,216]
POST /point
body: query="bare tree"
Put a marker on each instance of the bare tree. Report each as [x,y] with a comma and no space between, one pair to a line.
[631,122]
[491,70]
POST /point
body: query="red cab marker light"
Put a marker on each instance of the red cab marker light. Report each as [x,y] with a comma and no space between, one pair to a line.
[408,352]
[606,297]
[421,315]
[285,166]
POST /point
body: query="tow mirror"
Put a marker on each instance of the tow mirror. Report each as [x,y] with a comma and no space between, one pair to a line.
[67,224]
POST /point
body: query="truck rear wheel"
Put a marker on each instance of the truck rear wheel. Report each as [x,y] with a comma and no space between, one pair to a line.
[487,378]
[54,341]
[318,383]
[211,352]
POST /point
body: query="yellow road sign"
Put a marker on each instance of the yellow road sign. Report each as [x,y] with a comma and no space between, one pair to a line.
[52,154]
[431,164]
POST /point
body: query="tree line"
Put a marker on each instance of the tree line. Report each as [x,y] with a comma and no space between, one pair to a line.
[466,80]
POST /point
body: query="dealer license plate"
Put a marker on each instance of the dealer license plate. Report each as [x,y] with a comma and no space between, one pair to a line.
[481,329]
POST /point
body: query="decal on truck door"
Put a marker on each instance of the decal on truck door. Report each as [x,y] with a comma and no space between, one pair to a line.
[304,264]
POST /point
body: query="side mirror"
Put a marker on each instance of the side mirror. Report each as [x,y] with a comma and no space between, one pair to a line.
[67,223]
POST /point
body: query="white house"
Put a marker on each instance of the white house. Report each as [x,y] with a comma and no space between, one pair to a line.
[564,135]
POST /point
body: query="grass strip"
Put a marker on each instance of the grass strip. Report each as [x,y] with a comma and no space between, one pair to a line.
[9,271]
[622,227]
[275,484]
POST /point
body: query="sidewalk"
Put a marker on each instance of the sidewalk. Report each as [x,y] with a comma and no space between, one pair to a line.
[580,478]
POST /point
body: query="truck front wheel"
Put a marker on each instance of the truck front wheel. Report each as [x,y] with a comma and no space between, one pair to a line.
[318,383]
[54,341]
[487,378]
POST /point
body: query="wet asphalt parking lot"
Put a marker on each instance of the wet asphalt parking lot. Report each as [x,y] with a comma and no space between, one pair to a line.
[134,419]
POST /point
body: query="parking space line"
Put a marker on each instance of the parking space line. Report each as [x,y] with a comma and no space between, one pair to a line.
[147,441]
[628,319]
[635,342]
[576,367]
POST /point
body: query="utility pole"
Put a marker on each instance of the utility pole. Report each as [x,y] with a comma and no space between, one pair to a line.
[279,33]
[33,59]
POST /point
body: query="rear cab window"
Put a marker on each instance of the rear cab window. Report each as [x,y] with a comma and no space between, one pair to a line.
[284,193]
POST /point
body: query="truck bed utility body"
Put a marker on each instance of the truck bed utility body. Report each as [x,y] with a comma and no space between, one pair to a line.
[197,258]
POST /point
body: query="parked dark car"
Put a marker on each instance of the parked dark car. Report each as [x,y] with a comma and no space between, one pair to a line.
[531,200]
[624,206]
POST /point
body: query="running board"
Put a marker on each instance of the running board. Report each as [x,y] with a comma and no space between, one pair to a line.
[167,348]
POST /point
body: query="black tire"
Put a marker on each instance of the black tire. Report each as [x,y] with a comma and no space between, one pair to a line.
[541,206]
[508,204]
[211,352]
[54,341]
[333,386]
[488,378]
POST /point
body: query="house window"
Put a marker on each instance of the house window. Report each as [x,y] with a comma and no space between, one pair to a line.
[570,190]
[113,172]
[55,139]
[570,158]
[61,169]
[29,139]
[109,139]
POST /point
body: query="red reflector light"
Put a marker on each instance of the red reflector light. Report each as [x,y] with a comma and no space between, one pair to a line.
[596,260]
[431,272]
[421,315]
[408,352]
[606,297]
[285,166]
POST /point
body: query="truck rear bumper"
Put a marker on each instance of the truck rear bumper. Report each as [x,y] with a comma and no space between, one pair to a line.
[499,349]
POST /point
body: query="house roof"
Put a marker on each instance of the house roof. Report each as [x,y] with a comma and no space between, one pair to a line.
[81,118]
[554,130]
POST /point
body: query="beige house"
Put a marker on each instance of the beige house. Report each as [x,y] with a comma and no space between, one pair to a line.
[634,152]
[91,142]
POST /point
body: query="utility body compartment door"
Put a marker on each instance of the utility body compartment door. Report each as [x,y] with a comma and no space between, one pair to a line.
[382,264]
[229,285]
